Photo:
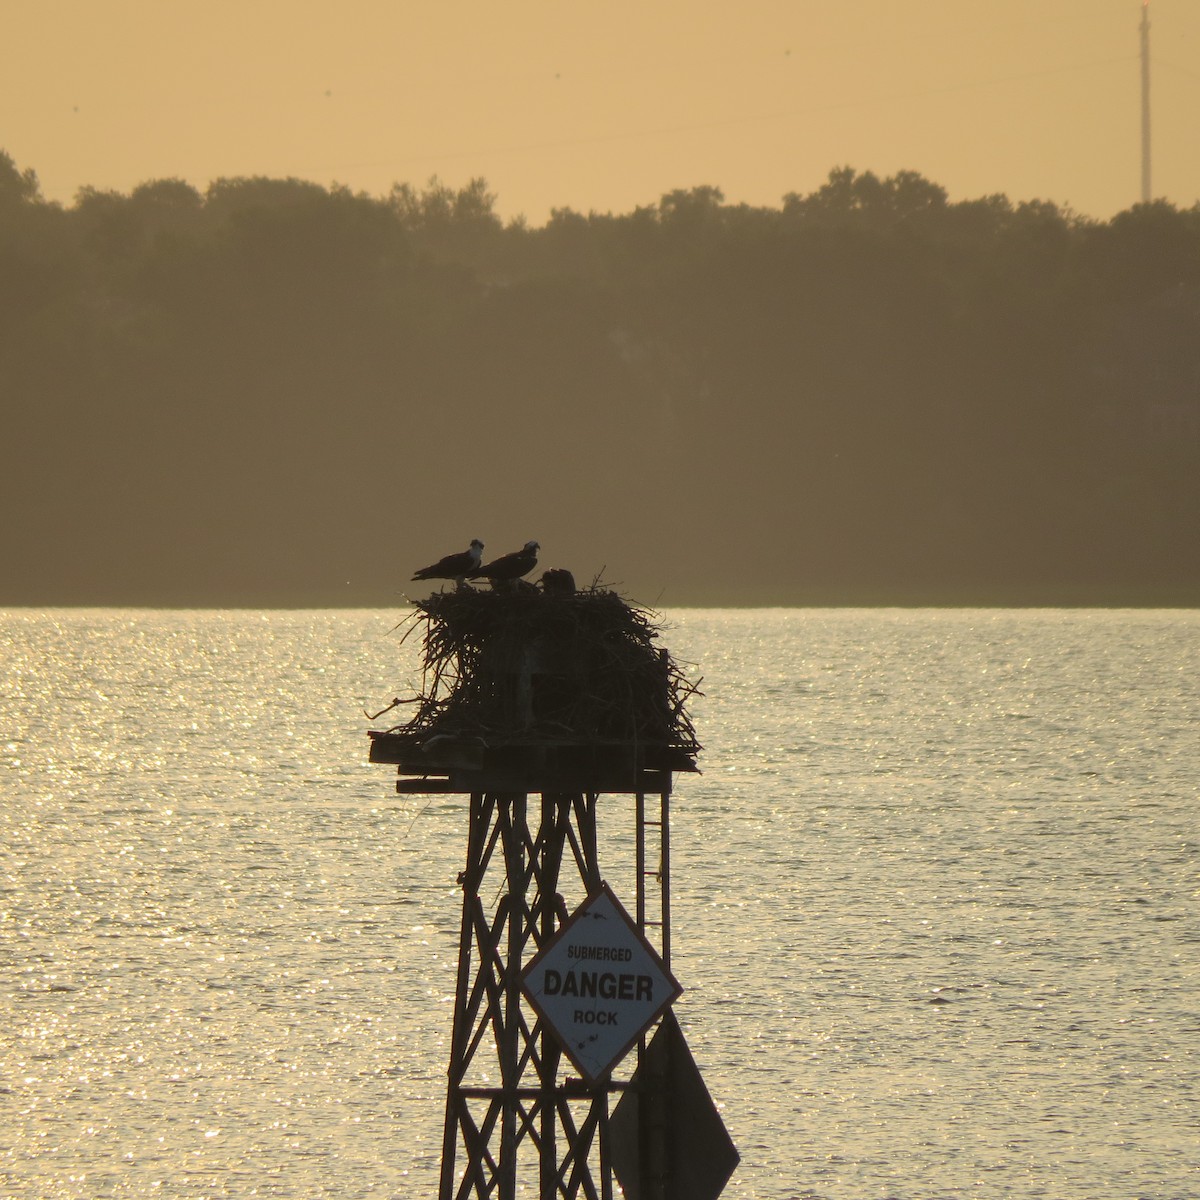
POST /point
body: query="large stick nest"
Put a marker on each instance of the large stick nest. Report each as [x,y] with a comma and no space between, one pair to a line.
[530,666]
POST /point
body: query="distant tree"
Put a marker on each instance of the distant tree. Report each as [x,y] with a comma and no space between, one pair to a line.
[17,187]
[438,205]
[167,195]
[689,207]
[1145,250]
[39,270]
[231,194]
[902,389]
[846,192]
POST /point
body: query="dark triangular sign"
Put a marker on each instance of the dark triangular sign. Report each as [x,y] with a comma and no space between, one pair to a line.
[665,1131]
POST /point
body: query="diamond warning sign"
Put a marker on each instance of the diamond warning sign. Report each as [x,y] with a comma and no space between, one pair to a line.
[599,985]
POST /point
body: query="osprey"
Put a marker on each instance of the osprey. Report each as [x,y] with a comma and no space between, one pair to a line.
[558,582]
[455,566]
[510,566]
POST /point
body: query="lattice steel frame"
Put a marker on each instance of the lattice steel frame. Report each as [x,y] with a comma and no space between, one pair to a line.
[504,1092]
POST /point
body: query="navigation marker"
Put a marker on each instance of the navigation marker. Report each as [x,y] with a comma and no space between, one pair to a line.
[599,985]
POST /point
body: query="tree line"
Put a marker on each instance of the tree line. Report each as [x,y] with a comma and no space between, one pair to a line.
[275,392]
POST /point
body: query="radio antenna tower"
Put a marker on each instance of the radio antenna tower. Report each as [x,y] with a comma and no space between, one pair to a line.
[1145,101]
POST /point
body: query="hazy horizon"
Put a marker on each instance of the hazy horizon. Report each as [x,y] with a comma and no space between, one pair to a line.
[606,108]
[279,395]
[821,361]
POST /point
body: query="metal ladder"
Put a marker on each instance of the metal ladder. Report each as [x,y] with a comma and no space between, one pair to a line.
[649,914]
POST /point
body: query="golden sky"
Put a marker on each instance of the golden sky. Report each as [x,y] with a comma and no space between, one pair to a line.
[605,106]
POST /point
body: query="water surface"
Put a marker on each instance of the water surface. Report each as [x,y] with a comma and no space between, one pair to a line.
[935,904]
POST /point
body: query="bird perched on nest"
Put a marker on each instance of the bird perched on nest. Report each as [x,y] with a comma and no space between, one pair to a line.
[458,567]
[558,582]
[509,567]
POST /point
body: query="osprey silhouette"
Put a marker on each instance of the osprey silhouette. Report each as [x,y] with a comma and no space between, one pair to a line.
[510,566]
[458,566]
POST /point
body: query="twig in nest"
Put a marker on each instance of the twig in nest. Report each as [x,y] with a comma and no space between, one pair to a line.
[396,701]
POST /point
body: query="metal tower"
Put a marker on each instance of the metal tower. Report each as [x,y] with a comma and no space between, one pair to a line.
[528,732]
